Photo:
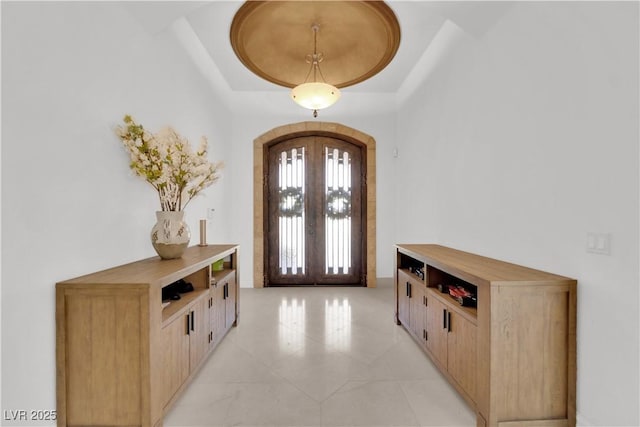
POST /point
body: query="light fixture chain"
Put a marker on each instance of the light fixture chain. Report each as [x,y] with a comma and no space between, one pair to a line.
[315,28]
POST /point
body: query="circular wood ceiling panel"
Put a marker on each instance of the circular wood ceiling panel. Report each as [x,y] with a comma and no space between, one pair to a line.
[357,38]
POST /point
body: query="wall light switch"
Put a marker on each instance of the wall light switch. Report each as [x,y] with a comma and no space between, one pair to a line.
[599,243]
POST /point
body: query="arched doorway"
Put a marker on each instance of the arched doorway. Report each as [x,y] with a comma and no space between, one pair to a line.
[315,225]
[330,131]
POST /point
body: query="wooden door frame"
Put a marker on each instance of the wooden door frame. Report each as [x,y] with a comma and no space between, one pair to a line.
[332,130]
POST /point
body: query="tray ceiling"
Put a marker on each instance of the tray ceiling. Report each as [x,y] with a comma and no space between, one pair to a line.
[356,38]
[203,29]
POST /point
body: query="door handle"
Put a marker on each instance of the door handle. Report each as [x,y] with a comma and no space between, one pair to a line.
[444,318]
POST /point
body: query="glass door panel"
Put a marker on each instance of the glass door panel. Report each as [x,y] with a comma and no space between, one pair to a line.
[291,215]
[337,211]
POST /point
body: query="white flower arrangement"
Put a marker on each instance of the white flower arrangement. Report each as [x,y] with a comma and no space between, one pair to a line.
[166,161]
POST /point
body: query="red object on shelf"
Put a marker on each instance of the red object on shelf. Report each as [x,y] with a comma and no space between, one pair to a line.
[459,291]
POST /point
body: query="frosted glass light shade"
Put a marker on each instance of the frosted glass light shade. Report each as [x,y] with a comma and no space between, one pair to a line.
[315,95]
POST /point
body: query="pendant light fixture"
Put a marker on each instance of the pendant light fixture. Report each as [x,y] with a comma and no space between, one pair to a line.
[315,95]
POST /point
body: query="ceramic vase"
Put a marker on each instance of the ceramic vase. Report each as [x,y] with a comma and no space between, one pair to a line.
[170,235]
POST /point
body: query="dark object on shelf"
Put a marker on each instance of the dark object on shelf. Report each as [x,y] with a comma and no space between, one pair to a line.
[418,271]
[174,290]
[443,288]
[184,287]
[170,292]
[467,301]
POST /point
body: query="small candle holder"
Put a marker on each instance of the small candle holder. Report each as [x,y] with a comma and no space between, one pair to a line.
[203,233]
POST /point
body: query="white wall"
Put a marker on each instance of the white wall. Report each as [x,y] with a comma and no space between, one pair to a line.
[246,128]
[70,71]
[521,141]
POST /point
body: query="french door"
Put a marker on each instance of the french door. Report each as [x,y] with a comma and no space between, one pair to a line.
[315,230]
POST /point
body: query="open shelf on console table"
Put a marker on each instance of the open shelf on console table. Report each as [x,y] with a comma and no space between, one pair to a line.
[123,358]
[513,358]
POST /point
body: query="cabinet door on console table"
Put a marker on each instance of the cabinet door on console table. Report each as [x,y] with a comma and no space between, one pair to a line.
[199,330]
[224,301]
[437,329]
[175,366]
[418,312]
[403,296]
[461,352]
[412,305]
[230,300]
[219,314]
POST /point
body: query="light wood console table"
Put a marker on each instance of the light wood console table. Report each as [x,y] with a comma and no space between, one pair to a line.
[122,357]
[512,357]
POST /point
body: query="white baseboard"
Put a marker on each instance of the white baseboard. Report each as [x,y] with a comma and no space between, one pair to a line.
[582,422]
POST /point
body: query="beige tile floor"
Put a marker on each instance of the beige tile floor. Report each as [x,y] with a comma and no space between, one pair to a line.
[319,357]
